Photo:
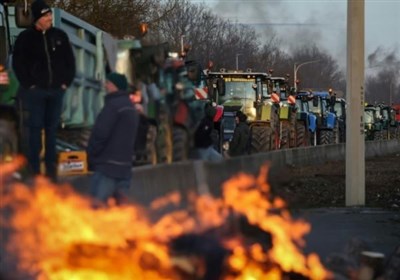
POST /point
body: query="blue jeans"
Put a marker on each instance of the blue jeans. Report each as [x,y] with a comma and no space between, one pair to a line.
[103,187]
[44,108]
[209,154]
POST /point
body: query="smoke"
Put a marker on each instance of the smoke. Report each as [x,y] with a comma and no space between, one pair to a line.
[295,24]
[324,23]
[384,63]
[384,58]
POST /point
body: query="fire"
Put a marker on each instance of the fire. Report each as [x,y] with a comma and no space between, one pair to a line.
[56,233]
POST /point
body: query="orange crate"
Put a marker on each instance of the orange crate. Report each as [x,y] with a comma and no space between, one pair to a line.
[72,163]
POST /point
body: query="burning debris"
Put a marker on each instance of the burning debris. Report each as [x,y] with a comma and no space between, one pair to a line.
[51,232]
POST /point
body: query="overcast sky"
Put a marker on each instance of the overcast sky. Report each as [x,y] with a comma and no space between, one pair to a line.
[324,22]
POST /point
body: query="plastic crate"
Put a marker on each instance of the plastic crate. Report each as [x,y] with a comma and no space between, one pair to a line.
[72,163]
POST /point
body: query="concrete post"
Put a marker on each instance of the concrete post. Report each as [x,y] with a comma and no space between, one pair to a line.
[355,143]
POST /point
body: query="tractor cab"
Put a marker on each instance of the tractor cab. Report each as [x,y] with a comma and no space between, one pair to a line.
[243,89]
[372,123]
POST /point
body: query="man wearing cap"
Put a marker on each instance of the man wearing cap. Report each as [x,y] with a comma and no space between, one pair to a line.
[44,64]
[111,144]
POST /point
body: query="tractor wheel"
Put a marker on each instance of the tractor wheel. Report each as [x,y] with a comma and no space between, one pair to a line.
[260,139]
[164,143]
[342,134]
[180,144]
[284,138]
[392,133]
[378,135]
[151,147]
[336,134]
[326,137]
[397,133]
[301,139]
[8,140]
[385,134]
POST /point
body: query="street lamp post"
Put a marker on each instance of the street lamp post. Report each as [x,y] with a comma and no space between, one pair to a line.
[296,68]
[237,61]
[182,46]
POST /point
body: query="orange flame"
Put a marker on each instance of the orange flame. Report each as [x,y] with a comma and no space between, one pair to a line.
[57,234]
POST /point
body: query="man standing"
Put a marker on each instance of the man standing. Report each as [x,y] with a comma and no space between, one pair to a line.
[112,141]
[44,64]
[203,136]
[240,139]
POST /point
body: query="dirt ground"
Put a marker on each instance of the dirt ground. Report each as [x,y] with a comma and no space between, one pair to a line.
[324,185]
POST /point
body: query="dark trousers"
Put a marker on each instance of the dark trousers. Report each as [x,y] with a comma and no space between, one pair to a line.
[44,109]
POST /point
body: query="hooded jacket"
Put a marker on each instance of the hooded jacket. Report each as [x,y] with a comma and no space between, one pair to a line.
[111,144]
[240,140]
[43,58]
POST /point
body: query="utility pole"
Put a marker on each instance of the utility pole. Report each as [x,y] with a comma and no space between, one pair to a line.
[355,138]
[296,68]
[237,61]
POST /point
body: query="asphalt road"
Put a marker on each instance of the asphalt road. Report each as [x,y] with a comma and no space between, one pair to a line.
[338,230]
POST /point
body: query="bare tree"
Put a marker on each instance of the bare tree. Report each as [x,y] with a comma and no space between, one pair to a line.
[209,36]
[382,88]
[228,44]
[117,17]
[323,74]
[271,57]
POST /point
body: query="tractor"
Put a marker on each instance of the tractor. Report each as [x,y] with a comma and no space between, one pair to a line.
[327,126]
[305,124]
[10,129]
[172,111]
[390,126]
[373,127]
[296,120]
[249,92]
[396,118]
[384,127]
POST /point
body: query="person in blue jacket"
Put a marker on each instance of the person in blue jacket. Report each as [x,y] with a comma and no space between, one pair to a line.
[111,144]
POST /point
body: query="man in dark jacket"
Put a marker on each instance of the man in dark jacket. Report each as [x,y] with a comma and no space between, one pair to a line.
[44,64]
[111,144]
[240,139]
[203,137]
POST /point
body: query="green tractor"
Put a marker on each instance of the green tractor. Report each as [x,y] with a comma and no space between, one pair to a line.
[251,93]
[293,122]
[373,127]
[388,122]
[273,115]
[384,122]
[10,128]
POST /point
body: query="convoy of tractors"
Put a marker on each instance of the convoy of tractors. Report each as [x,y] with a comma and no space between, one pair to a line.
[173,92]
